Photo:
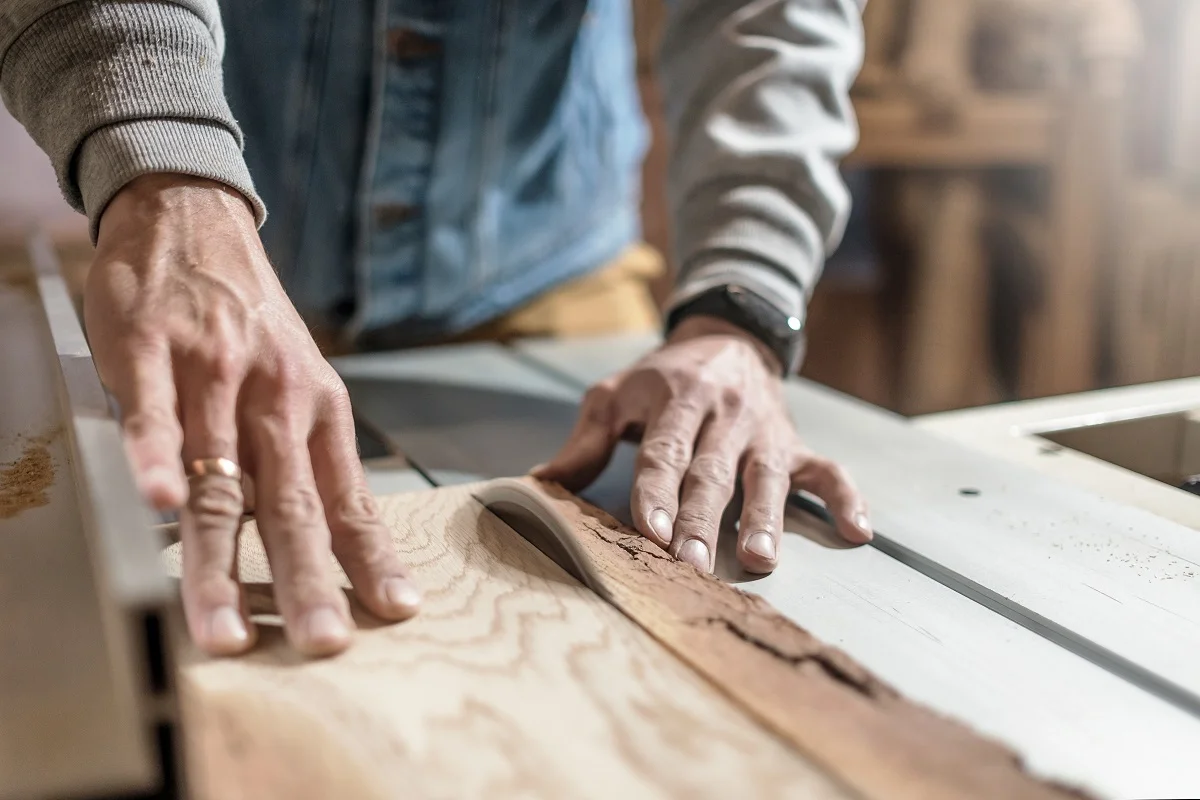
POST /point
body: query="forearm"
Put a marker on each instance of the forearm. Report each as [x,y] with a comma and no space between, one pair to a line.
[111,91]
[757,103]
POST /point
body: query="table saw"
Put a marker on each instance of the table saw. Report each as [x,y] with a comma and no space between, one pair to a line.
[1034,584]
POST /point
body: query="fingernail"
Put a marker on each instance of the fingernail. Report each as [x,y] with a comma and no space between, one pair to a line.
[863,524]
[762,544]
[402,594]
[324,626]
[225,626]
[695,552]
[660,523]
[538,469]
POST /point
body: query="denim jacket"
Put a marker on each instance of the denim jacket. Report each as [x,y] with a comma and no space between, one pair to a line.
[439,162]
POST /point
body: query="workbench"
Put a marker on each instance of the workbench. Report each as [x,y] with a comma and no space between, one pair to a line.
[1044,598]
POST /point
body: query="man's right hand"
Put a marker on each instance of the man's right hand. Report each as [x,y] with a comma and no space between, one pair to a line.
[194,335]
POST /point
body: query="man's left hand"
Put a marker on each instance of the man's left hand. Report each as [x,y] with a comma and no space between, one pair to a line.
[708,406]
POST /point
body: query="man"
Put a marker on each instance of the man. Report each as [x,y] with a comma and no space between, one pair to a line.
[433,166]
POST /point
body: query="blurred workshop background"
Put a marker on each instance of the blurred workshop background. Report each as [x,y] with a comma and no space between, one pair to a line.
[1027,195]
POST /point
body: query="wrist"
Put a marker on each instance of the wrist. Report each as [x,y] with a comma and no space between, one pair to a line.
[752,315]
[701,325]
[155,196]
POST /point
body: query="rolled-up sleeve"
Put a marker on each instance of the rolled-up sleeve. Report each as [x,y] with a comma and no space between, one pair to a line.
[114,90]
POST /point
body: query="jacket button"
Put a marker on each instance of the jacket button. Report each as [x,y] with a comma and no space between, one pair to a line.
[405,44]
[389,214]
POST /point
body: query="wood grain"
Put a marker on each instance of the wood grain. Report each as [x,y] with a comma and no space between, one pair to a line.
[814,695]
[514,681]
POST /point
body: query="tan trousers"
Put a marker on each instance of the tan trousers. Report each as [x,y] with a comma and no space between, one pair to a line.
[614,299]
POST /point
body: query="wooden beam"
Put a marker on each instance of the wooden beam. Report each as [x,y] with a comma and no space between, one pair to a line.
[983,132]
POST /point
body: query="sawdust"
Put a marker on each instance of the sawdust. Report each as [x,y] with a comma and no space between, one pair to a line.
[20,280]
[24,482]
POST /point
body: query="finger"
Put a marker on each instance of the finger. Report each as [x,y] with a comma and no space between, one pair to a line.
[663,459]
[291,520]
[361,542]
[590,446]
[708,486]
[765,487]
[212,599]
[833,485]
[144,387]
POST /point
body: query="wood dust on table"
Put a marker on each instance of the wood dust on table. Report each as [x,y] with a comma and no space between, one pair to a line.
[24,482]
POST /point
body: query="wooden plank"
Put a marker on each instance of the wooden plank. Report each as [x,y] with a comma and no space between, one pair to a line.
[811,694]
[944,649]
[513,681]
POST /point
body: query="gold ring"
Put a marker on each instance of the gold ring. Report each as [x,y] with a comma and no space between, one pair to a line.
[219,467]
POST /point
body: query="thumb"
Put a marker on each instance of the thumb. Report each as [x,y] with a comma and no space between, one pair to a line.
[590,446]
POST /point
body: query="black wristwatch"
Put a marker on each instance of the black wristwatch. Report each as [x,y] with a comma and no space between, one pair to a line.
[782,333]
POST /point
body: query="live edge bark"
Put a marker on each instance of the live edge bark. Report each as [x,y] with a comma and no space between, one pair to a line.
[814,696]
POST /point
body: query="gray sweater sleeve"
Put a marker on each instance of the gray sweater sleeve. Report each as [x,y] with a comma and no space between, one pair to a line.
[758,109]
[114,90]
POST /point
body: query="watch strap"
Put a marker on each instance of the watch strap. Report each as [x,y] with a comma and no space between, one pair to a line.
[780,332]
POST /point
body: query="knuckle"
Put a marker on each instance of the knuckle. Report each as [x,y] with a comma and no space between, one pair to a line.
[815,467]
[284,376]
[696,521]
[766,468]
[664,454]
[144,341]
[649,495]
[732,399]
[215,502]
[296,504]
[213,589]
[273,433]
[761,513]
[356,509]
[224,364]
[598,393]
[337,395]
[713,469]
[365,548]
[155,420]
[834,473]
[824,474]
[287,378]
[682,382]
[597,405]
